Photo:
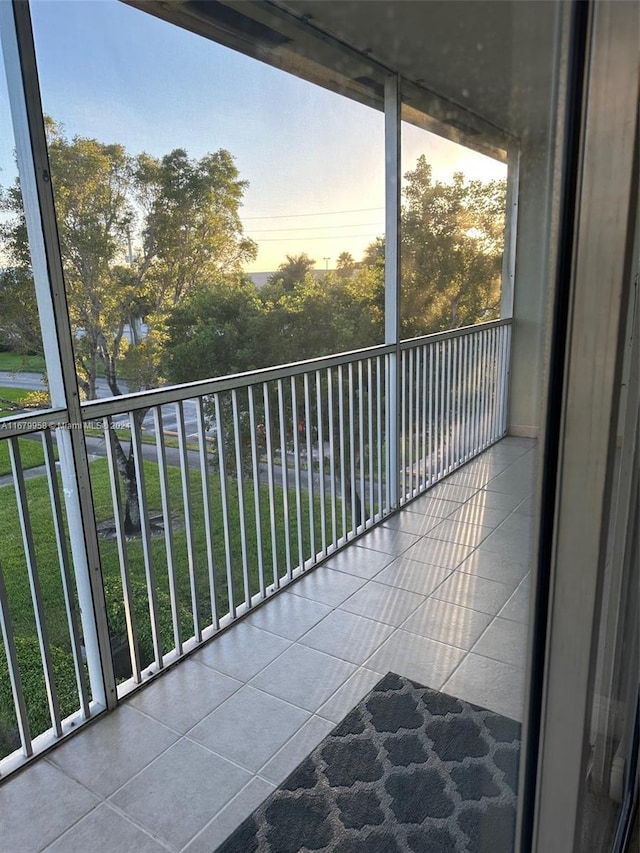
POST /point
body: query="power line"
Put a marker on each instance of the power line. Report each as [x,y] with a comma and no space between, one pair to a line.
[330,237]
[317,227]
[321,213]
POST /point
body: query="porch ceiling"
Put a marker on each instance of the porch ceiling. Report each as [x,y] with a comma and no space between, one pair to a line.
[459,50]
[492,57]
[488,62]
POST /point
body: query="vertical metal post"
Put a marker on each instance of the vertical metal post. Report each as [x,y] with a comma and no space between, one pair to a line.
[510,232]
[35,183]
[392,105]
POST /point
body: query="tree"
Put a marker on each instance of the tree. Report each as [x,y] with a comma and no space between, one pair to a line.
[290,273]
[218,330]
[19,322]
[451,242]
[374,254]
[137,235]
[345,264]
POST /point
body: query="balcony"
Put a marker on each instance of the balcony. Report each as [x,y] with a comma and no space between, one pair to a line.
[438,592]
[304,530]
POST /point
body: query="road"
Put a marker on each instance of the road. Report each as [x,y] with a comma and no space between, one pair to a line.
[33,382]
[96,449]
[96,444]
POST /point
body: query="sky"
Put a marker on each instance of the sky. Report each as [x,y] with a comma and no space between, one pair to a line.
[314,160]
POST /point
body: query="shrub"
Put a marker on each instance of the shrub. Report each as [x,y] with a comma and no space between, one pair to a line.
[118,623]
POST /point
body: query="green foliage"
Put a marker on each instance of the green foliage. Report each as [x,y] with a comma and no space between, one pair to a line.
[290,273]
[323,315]
[137,234]
[116,616]
[452,240]
[217,331]
[19,322]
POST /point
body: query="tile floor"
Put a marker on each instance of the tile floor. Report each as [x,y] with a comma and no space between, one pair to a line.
[439,593]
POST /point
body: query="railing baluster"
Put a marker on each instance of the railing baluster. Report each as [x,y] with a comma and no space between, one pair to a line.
[468,364]
[449,387]
[504,400]
[34,583]
[226,530]
[141,491]
[206,506]
[500,361]
[497,363]
[475,391]
[65,572]
[361,454]
[168,527]
[485,387]
[379,442]
[321,481]
[188,518]
[332,459]
[8,639]
[423,484]
[408,437]
[372,509]
[309,431]
[352,453]
[495,385]
[454,404]
[116,501]
[343,478]
[492,385]
[432,416]
[463,400]
[403,427]
[284,469]
[237,429]
[296,468]
[416,485]
[271,485]
[387,423]
[439,412]
[255,466]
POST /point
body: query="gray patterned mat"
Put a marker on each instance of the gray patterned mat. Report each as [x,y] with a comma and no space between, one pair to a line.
[408,770]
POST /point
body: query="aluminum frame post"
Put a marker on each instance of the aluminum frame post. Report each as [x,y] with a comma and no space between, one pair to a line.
[392,107]
[35,182]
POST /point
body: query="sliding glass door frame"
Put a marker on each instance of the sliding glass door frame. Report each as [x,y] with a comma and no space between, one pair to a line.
[593,283]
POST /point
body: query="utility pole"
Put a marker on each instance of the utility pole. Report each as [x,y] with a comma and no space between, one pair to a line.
[326,262]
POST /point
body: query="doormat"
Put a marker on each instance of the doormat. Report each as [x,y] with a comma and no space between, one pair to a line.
[408,770]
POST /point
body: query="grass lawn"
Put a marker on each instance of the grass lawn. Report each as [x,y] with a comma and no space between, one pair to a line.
[244,573]
[8,396]
[30,448]
[17,361]
[31,454]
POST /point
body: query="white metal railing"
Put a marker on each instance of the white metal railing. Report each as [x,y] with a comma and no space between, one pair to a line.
[277,469]
[241,483]
[453,401]
[35,528]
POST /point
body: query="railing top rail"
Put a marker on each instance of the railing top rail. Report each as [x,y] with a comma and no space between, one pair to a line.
[33,421]
[96,409]
[408,343]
